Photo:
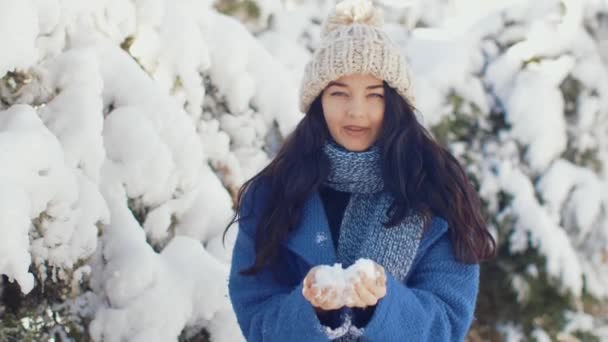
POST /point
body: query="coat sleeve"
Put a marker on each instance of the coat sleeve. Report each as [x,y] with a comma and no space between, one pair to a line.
[437,304]
[265,309]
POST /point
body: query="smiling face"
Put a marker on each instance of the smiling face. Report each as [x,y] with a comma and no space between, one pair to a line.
[353,107]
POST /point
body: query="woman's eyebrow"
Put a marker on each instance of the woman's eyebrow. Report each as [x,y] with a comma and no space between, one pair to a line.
[339,84]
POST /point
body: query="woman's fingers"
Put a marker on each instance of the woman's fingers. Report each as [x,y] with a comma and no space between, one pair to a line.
[308,290]
[325,299]
[322,295]
[308,293]
[374,285]
[311,293]
[369,290]
[379,282]
[307,282]
[365,297]
[383,282]
[331,301]
[380,270]
[380,291]
[310,277]
[378,286]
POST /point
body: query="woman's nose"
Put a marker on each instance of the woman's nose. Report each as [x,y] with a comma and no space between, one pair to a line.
[356,108]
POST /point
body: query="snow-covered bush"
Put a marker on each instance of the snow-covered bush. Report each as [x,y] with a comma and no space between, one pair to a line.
[117,178]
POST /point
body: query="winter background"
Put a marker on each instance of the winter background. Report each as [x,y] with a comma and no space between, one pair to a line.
[127,126]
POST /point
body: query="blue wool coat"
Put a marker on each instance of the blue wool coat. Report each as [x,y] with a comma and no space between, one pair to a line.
[435,302]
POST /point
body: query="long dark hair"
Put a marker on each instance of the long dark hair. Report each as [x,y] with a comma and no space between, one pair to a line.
[420,174]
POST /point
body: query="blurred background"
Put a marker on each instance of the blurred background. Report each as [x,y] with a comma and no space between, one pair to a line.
[127,127]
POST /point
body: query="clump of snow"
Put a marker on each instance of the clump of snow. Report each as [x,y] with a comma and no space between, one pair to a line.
[575,190]
[18,30]
[511,332]
[538,228]
[15,223]
[176,282]
[65,205]
[434,77]
[267,85]
[578,321]
[74,115]
[540,335]
[343,280]
[539,125]
[169,43]
[150,141]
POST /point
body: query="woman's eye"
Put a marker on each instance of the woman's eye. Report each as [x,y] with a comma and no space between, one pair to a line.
[338,93]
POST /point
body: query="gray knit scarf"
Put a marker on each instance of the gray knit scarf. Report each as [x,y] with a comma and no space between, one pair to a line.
[362,234]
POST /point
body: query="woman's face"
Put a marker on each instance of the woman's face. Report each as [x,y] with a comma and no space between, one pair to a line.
[353,107]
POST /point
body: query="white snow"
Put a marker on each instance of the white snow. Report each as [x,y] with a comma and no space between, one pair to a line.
[536,227]
[343,280]
[340,331]
[435,77]
[321,237]
[578,321]
[267,86]
[64,203]
[15,223]
[18,30]
[540,335]
[511,332]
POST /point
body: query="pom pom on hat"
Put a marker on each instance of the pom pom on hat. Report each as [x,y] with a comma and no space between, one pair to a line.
[350,12]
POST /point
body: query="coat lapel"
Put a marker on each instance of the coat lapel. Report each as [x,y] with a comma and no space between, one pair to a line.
[312,239]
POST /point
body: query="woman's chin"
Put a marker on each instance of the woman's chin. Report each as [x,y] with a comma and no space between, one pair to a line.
[356,146]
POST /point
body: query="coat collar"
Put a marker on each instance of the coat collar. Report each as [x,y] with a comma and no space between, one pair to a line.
[312,239]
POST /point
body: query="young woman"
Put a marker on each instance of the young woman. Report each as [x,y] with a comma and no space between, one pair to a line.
[359,178]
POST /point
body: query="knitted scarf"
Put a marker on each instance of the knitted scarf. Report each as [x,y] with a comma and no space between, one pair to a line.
[362,234]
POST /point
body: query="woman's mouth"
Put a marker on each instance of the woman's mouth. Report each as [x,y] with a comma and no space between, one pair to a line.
[355,131]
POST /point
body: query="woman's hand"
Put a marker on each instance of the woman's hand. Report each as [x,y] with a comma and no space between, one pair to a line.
[367,291]
[322,299]
[361,291]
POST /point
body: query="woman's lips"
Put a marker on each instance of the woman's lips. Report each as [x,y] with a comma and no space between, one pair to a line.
[355,131]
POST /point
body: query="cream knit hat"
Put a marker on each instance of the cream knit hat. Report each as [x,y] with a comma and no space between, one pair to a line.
[353,43]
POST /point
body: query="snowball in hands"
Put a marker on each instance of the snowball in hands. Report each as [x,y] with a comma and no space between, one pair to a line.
[343,280]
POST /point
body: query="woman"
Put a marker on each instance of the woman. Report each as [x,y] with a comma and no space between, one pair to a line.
[358,179]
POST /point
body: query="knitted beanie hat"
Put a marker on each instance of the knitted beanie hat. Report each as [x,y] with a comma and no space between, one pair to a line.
[353,43]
